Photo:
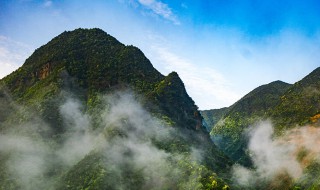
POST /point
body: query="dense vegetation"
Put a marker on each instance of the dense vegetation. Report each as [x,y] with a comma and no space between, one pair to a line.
[211,117]
[228,133]
[299,104]
[289,108]
[89,66]
[87,112]
[94,62]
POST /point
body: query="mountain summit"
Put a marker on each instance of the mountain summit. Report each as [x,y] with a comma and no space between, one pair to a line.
[252,107]
[87,112]
[300,104]
[95,62]
[273,122]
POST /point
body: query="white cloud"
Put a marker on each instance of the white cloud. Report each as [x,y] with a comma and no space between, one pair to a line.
[275,158]
[47,3]
[126,141]
[183,5]
[205,85]
[160,9]
[12,55]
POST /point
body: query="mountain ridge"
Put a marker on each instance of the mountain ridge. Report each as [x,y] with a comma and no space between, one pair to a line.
[228,132]
[66,84]
[299,104]
[93,75]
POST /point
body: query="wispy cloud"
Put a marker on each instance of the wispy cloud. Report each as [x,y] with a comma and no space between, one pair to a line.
[276,158]
[47,3]
[126,141]
[161,9]
[206,85]
[12,55]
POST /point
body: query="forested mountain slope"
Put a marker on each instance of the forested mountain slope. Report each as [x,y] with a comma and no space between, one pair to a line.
[87,112]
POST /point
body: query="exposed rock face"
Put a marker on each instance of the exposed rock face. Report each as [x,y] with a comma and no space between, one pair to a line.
[44,72]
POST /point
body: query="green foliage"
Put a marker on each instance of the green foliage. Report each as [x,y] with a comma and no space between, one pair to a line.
[299,103]
[6,181]
[311,178]
[87,64]
[199,177]
[92,62]
[211,117]
[93,173]
[171,96]
[230,129]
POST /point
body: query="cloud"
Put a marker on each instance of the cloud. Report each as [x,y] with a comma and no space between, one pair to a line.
[271,157]
[183,5]
[207,86]
[12,55]
[31,158]
[160,9]
[280,158]
[79,140]
[47,3]
[128,140]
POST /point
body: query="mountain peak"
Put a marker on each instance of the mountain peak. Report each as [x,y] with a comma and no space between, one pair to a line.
[311,78]
[83,32]
[92,66]
[276,87]
[94,61]
[252,107]
[277,82]
[174,77]
[299,103]
[93,58]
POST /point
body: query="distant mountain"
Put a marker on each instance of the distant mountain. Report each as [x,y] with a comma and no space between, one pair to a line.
[227,133]
[211,117]
[300,104]
[87,112]
[294,112]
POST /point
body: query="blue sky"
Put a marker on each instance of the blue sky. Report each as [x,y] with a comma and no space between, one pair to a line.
[221,49]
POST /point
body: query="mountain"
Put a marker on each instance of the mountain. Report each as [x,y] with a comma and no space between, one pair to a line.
[228,132]
[211,117]
[87,112]
[300,104]
[272,133]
